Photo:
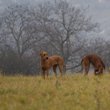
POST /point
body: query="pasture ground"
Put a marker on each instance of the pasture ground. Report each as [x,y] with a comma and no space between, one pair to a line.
[71,92]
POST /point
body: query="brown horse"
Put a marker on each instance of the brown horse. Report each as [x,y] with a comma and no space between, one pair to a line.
[96,61]
[52,61]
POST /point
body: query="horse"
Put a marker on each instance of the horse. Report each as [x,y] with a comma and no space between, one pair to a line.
[96,61]
[53,61]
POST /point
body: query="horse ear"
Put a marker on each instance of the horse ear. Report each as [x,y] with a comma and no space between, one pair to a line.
[45,53]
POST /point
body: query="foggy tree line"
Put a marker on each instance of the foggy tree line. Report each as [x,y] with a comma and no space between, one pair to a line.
[55,27]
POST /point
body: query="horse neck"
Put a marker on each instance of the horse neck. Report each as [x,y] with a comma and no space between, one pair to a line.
[43,61]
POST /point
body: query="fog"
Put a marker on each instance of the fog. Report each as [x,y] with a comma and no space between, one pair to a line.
[98,9]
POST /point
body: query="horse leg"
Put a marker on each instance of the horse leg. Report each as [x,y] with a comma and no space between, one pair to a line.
[54,69]
[86,66]
[43,74]
[86,70]
[47,73]
[61,69]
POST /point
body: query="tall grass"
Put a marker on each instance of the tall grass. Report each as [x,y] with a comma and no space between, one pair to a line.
[71,92]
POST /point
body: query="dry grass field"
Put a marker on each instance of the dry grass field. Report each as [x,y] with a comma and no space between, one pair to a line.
[71,92]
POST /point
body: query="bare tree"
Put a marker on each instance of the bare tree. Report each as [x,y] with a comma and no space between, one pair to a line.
[19,34]
[20,29]
[62,23]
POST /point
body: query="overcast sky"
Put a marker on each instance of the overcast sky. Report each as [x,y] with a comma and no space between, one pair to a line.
[98,9]
[100,12]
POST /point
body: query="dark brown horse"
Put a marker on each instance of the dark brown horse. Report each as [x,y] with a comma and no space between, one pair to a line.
[96,61]
[52,61]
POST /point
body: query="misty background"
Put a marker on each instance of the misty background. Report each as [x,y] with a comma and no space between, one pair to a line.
[98,9]
[70,28]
